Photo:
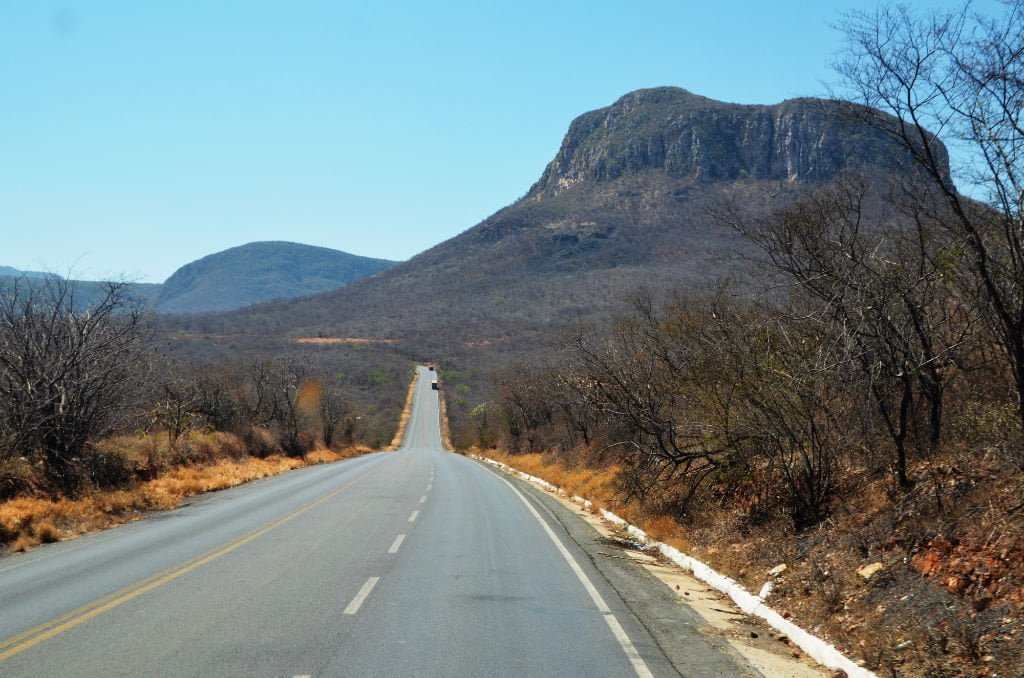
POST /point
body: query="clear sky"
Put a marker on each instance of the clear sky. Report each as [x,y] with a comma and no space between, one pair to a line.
[139,135]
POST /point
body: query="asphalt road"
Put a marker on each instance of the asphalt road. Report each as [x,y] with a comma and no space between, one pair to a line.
[412,563]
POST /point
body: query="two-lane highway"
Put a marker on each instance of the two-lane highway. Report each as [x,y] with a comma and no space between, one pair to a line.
[413,563]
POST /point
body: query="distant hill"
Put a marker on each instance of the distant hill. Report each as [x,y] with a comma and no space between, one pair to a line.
[234,278]
[260,271]
[85,292]
[11,272]
[624,203]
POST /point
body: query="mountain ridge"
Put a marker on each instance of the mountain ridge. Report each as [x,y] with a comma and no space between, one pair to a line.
[606,217]
[259,271]
[232,278]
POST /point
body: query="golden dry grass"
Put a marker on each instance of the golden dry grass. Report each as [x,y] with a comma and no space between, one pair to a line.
[600,488]
[27,521]
[596,485]
[403,420]
[446,429]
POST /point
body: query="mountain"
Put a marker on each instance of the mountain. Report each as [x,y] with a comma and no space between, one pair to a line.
[83,292]
[11,272]
[624,203]
[260,271]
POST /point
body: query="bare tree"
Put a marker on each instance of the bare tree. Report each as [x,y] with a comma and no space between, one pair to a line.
[961,76]
[640,380]
[65,373]
[334,410]
[881,287]
[773,386]
[526,409]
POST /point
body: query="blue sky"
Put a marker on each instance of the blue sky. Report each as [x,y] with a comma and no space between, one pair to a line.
[136,136]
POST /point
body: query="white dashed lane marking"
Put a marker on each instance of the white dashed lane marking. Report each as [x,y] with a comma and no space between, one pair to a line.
[412,516]
[396,544]
[361,597]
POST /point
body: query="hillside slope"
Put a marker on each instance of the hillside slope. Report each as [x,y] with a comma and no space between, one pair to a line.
[260,271]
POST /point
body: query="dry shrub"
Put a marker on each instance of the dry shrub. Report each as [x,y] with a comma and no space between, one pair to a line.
[993,426]
[17,476]
[23,543]
[198,447]
[259,442]
[323,456]
[110,464]
[45,532]
[145,454]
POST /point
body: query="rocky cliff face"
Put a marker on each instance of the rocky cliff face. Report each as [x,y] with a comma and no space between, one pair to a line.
[691,137]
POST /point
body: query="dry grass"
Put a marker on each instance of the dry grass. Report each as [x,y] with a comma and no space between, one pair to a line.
[446,428]
[28,521]
[597,485]
[403,420]
[600,487]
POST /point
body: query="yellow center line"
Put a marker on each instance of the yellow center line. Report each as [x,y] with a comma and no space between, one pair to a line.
[23,641]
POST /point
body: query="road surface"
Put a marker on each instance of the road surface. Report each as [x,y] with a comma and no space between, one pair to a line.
[413,563]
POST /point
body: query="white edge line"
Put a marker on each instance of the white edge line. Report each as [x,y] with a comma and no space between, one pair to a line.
[397,543]
[639,665]
[360,598]
[412,516]
[816,648]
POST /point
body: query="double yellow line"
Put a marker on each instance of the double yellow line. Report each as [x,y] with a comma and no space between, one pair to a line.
[27,639]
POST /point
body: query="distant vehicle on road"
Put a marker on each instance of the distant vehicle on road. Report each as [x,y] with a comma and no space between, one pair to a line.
[431,368]
[433,384]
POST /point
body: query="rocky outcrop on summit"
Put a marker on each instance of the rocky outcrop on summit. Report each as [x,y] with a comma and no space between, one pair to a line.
[691,137]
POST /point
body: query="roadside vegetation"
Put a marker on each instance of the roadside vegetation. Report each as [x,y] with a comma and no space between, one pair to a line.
[858,417]
[98,423]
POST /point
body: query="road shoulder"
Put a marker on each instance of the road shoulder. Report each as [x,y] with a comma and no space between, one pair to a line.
[672,605]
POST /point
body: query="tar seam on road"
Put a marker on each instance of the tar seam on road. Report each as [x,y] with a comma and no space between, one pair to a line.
[412,516]
[639,665]
[360,598]
[396,544]
[27,639]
